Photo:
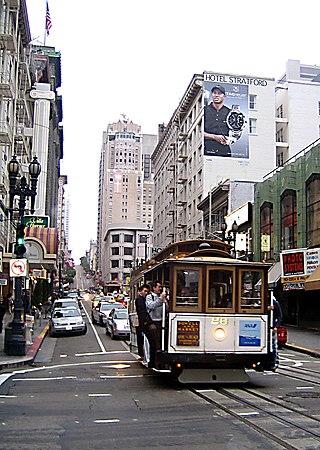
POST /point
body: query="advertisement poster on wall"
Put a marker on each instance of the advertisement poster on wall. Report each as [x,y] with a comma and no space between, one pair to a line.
[225,116]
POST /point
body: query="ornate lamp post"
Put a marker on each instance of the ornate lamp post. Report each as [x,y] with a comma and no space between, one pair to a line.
[231,236]
[15,341]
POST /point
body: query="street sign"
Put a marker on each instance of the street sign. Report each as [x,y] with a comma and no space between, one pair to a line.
[18,267]
[3,282]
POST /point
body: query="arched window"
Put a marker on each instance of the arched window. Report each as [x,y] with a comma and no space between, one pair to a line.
[313,211]
[288,220]
[266,231]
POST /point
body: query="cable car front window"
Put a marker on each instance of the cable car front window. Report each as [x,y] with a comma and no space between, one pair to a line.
[251,289]
[187,288]
[220,289]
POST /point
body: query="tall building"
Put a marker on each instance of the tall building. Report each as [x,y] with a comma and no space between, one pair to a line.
[264,125]
[185,170]
[125,204]
[297,100]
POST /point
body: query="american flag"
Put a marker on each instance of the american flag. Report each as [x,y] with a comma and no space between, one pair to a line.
[48,20]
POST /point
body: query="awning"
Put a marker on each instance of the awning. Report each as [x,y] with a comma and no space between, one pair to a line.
[312,283]
[42,247]
[49,236]
[274,274]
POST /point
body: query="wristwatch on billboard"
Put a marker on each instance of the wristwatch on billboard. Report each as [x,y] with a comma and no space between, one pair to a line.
[236,122]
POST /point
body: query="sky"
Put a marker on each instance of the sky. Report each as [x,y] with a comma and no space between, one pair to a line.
[137,57]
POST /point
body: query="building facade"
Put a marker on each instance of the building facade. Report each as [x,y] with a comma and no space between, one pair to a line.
[286,221]
[186,171]
[125,204]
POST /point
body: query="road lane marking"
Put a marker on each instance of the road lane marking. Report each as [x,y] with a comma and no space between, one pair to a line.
[99,395]
[95,332]
[122,376]
[44,379]
[4,377]
[99,353]
[107,421]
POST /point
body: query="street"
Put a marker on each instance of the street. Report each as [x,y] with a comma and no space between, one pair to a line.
[90,392]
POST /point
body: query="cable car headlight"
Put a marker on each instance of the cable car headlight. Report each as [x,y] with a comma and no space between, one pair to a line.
[219,334]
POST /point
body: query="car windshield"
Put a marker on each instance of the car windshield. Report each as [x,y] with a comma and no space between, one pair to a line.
[120,315]
[64,304]
[66,313]
[106,306]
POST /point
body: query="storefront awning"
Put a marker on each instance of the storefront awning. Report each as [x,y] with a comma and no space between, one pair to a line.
[42,247]
[274,274]
[312,283]
[49,236]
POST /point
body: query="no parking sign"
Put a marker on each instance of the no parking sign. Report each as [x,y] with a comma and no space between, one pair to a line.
[18,267]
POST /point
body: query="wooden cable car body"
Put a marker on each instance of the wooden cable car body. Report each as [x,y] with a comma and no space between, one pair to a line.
[218,323]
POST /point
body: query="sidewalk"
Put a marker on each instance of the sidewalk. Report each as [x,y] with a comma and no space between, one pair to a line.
[40,329]
[302,340]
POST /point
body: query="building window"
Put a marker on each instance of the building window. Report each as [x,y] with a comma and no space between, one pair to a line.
[115,238]
[115,276]
[280,159]
[115,251]
[319,108]
[143,239]
[127,251]
[252,101]
[313,211]
[279,135]
[266,231]
[114,264]
[288,220]
[279,112]
[253,126]
[127,264]
[128,238]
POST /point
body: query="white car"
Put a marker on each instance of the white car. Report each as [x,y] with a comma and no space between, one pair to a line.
[117,324]
[65,303]
[66,321]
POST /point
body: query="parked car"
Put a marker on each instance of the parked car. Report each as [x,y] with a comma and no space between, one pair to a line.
[100,313]
[117,324]
[65,303]
[66,321]
[282,335]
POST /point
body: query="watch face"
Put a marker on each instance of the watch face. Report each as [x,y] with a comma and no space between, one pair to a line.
[235,121]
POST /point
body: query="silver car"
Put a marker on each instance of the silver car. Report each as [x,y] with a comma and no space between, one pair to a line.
[66,321]
[117,324]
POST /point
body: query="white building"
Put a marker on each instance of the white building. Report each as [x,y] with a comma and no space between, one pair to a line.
[125,205]
[184,174]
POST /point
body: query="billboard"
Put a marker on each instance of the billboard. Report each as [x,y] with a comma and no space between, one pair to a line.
[226,115]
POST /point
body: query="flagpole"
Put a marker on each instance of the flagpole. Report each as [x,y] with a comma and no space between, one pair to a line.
[45,23]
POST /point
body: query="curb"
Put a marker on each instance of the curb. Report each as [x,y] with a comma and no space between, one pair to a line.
[30,354]
[306,351]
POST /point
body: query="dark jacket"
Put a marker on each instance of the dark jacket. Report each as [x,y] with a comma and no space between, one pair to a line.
[277,313]
[141,309]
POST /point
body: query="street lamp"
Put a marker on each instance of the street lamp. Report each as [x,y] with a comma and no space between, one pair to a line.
[231,236]
[15,342]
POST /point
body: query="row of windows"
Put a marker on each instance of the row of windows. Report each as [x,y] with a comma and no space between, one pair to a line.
[128,238]
[288,220]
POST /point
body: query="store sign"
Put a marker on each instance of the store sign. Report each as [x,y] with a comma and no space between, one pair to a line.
[188,333]
[293,263]
[36,221]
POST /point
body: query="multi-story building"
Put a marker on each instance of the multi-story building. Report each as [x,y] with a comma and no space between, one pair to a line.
[297,100]
[30,116]
[185,172]
[279,119]
[287,227]
[125,204]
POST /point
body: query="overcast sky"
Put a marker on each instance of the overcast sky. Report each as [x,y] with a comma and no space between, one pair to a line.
[138,57]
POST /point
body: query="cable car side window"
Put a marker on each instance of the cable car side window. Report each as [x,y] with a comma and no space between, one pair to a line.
[187,288]
[250,289]
[220,288]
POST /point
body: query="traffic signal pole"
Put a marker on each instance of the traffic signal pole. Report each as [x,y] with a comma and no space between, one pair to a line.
[16,340]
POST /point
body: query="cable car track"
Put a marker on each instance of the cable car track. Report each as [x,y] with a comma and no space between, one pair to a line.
[285,425]
[300,374]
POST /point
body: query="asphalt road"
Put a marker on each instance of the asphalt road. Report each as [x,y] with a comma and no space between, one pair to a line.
[89,392]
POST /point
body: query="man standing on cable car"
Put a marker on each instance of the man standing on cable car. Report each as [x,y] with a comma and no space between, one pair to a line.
[146,323]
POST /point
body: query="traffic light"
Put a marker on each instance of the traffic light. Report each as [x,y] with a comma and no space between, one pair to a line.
[20,249]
